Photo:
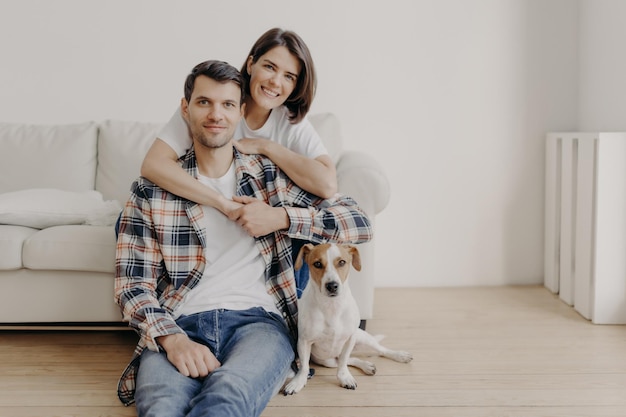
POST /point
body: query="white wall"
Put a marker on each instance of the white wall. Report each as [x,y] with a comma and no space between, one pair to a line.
[452,96]
[602,66]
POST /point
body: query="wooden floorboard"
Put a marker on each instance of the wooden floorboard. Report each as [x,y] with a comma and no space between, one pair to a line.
[496,351]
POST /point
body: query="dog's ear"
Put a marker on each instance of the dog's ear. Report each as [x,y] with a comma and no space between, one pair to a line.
[356,257]
[304,251]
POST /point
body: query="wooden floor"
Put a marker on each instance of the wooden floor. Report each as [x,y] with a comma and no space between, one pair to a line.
[501,351]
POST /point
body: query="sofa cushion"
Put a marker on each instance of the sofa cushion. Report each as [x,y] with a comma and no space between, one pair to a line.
[44,207]
[41,156]
[121,149]
[11,241]
[71,248]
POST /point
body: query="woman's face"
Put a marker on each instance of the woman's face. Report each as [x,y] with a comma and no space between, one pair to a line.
[273,77]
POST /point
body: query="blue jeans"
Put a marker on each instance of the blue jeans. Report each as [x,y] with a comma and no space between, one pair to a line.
[255,350]
[302,274]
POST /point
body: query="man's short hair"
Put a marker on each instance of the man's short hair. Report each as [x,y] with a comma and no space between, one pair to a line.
[217,70]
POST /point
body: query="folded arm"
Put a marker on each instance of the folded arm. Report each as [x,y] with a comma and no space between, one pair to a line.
[317,176]
[337,220]
[161,167]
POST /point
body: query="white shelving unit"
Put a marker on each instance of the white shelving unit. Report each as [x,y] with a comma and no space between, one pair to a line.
[585,223]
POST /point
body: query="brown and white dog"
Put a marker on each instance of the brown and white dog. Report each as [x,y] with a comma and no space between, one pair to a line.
[328,318]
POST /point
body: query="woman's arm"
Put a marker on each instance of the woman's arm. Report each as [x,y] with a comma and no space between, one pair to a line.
[317,176]
[160,167]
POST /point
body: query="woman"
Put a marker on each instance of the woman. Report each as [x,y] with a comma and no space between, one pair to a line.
[280,86]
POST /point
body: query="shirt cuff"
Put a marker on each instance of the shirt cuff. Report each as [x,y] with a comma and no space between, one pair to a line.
[300,223]
[160,330]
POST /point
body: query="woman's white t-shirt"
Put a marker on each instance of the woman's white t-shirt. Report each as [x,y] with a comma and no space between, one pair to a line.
[300,137]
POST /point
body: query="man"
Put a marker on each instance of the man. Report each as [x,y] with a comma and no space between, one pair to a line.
[214,299]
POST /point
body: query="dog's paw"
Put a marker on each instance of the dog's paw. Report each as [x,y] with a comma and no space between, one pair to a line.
[349,385]
[295,385]
[368,368]
[346,380]
[402,356]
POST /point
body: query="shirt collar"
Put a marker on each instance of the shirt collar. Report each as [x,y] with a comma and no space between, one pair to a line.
[245,165]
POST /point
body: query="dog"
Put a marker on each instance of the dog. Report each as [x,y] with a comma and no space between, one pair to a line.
[328,318]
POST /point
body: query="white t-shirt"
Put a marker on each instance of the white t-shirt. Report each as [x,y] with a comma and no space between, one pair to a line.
[300,137]
[234,277]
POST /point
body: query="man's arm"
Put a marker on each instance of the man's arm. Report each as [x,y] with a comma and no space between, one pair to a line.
[335,220]
[338,220]
[137,268]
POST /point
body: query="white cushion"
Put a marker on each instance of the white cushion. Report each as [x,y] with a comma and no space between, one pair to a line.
[327,125]
[11,241]
[121,149]
[41,156]
[57,297]
[71,248]
[44,207]
[361,177]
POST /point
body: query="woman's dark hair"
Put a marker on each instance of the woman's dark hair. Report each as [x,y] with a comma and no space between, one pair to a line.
[300,100]
[217,70]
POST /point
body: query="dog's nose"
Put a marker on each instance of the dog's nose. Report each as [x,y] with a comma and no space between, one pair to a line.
[332,287]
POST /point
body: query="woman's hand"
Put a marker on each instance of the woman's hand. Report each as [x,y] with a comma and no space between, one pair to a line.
[251,146]
[258,218]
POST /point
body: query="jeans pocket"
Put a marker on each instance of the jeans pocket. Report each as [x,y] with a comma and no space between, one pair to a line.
[199,327]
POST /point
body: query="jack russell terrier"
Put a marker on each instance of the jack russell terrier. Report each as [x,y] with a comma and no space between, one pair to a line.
[328,318]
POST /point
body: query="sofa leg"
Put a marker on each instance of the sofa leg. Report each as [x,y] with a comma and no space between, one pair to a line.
[362,325]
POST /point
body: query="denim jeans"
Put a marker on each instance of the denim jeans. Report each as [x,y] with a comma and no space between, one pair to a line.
[255,350]
[302,274]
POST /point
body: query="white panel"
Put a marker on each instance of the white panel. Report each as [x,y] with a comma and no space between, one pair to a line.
[552,221]
[610,253]
[584,230]
[566,279]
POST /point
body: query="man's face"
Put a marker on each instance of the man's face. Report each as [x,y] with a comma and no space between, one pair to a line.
[213,111]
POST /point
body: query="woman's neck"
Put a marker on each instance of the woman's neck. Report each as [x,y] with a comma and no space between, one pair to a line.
[255,116]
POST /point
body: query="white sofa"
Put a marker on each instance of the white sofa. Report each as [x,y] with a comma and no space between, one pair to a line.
[61,270]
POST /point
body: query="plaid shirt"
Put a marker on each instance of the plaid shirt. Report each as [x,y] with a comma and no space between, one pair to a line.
[160,249]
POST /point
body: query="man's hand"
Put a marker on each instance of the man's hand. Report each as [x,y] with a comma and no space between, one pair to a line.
[190,358]
[258,218]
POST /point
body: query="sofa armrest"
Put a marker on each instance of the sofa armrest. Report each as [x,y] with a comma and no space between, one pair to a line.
[361,177]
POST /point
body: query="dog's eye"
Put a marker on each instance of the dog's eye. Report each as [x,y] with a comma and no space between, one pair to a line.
[318,265]
[342,262]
